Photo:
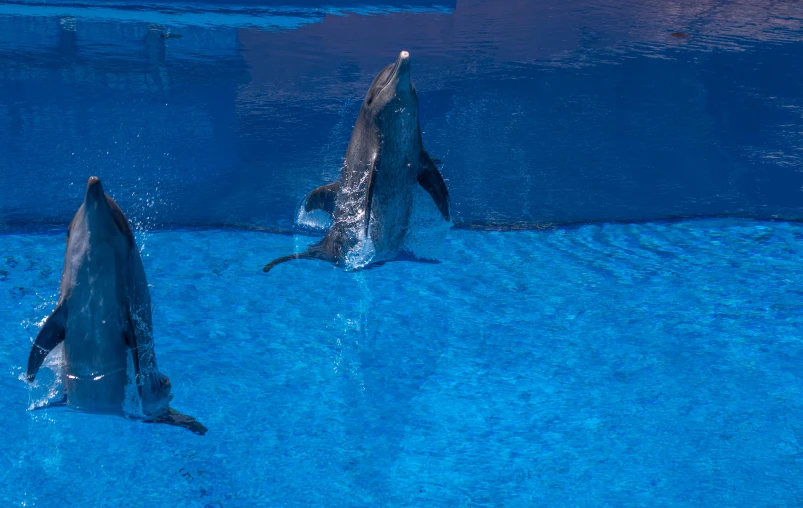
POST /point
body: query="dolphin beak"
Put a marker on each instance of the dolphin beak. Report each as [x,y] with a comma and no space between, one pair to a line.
[402,70]
[403,60]
[94,190]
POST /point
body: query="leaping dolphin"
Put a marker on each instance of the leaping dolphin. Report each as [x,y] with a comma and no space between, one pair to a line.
[104,315]
[385,159]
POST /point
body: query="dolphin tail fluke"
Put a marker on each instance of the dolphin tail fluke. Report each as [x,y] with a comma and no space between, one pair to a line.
[323,198]
[291,257]
[177,419]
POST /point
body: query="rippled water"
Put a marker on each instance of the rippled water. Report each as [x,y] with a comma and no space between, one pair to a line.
[595,363]
[655,364]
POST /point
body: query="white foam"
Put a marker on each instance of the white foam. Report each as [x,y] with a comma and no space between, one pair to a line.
[55,363]
[362,253]
[316,220]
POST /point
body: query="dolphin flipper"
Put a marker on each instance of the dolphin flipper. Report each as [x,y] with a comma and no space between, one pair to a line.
[173,417]
[50,336]
[432,182]
[323,198]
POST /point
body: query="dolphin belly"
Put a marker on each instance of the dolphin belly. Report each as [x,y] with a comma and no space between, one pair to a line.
[95,351]
[100,393]
[96,364]
[390,217]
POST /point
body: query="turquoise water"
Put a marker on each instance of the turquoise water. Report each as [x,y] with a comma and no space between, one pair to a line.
[540,363]
[605,365]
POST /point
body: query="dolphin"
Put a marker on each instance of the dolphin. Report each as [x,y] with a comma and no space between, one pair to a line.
[385,159]
[103,317]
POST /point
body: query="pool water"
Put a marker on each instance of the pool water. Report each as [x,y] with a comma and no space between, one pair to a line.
[573,346]
[645,364]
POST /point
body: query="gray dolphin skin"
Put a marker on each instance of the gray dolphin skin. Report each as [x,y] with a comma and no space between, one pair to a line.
[103,317]
[384,161]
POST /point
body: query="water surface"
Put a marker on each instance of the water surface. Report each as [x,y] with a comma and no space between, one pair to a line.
[654,364]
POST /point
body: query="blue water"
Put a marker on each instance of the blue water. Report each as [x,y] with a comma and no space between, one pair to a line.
[604,365]
[543,112]
[616,318]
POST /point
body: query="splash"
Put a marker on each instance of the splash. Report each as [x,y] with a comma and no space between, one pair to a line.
[143,215]
[51,387]
[353,334]
[316,220]
[361,254]
[47,387]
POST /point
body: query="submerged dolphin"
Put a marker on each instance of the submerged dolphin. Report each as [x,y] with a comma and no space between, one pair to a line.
[385,160]
[103,316]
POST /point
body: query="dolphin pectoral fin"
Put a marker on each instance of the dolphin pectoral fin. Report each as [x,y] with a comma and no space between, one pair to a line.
[173,417]
[322,198]
[432,182]
[50,336]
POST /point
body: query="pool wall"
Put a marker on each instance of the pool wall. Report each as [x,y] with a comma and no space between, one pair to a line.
[542,113]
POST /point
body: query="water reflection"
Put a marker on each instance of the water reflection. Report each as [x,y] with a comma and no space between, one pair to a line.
[542,112]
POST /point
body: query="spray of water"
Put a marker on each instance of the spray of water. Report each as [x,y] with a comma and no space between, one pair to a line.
[317,220]
[361,254]
[352,326]
[144,215]
[47,387]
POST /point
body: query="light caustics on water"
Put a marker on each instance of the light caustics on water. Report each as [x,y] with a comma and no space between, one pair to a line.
[592,341]
[641,361]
